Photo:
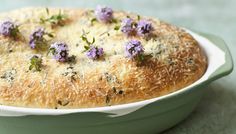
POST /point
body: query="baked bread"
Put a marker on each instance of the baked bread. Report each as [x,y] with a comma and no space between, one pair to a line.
[165,59]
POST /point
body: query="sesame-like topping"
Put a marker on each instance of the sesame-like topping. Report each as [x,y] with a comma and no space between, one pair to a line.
[104,14]
[95,52]
[133,49]
[9,29]
[59,51]
[128,26]
[144,27]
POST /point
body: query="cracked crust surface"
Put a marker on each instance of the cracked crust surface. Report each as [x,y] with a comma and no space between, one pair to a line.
[177,61]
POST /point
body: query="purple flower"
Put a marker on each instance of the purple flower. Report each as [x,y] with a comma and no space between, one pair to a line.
[36,38]
[128,26]
[133,49]
[144,27]
[8,28]
[59,51]
[104,14]
[94,52]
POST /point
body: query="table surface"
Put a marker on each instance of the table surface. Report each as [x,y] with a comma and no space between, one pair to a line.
[216,113]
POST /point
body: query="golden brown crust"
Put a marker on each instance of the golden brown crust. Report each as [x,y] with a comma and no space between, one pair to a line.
[177,61]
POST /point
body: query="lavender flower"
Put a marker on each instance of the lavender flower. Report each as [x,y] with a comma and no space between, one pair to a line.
[9,29]
[128,26]
[144,27]
[104,14]
[133,49]
[59,51]
[94,52]
[37,39]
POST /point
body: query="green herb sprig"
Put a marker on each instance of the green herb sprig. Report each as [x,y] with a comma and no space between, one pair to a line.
[35,63]
[85,39]
[57,19]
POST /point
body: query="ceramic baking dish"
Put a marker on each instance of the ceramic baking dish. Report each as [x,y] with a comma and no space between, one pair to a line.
[144,117]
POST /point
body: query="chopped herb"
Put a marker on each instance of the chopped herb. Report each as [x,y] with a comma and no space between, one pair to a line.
[138,17]
[114,89]
[117,27]
[50,35]
[117,92]
[47,10]
[72,59]
[108,34]
[141,57]
[63,103]
[190,61]
[10,50]
[35,63]
[114,20]
[93,20]
[15,32]
[86,48]
[108,100]
[51,50]
[121,92]
[91,11]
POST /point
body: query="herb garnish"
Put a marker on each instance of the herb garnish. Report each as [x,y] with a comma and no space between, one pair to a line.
[63,103]
[93,20]
[58,19]
[9,29]
[117,27]
[108,100]
[38,40]
[85,39]
[35,63]
[92,52]
[138,17]
[71,59]
[59,50]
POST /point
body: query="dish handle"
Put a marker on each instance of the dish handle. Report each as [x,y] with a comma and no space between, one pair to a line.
[228,66]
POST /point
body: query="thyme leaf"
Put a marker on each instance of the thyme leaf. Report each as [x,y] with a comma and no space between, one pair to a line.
[93,20]
[117,27]
[35,63]
[57,19]
[85,39]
